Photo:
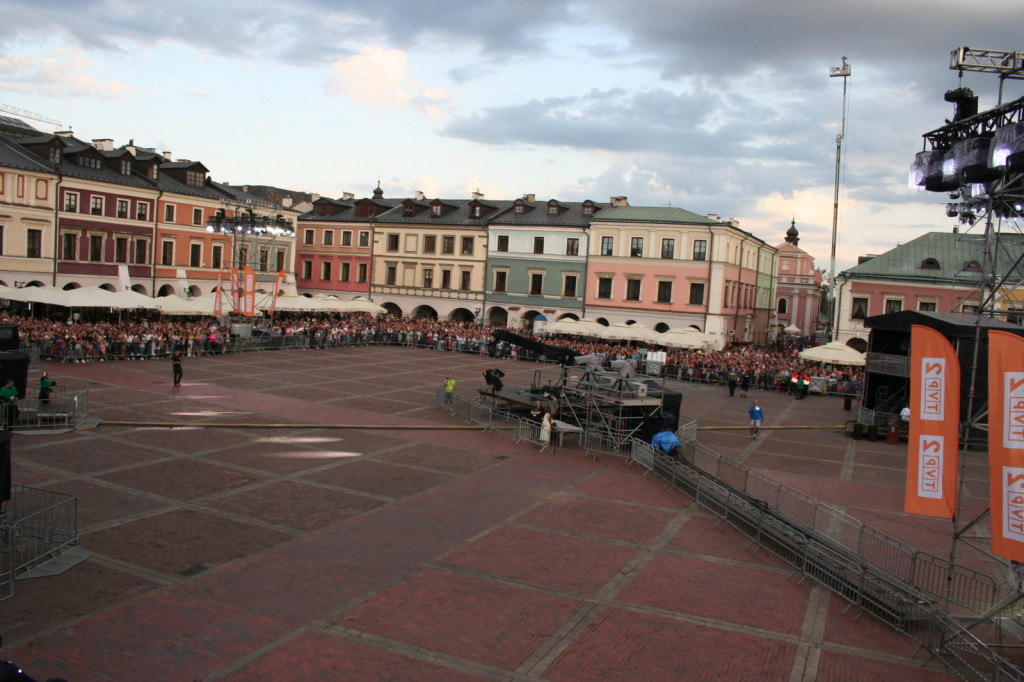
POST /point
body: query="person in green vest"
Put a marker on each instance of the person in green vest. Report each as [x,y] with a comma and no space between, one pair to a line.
[46,385]
[9,398]
[449,392]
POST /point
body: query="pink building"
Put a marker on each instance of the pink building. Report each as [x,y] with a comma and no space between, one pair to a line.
[798,291]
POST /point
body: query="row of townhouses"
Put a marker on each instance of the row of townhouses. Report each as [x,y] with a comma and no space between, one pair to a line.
[76,213]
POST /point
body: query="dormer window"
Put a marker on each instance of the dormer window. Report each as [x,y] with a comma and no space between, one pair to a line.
[435,210]
[553,208]
[89,162]
[972,266]
[195,178]
[126,167]
[588,208]
[929,264]
[407,210]
[54,154]
[154,172]
[520,208]
[474,211]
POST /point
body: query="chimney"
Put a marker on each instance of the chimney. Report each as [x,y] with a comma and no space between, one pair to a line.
[347,196]
[734,222]
[314,197]
[530,198]
[477,195]
[619,201]
[167,156]
[131,147]
[286,202]
[104,144]
[64,133]
[420,196]
[715,216]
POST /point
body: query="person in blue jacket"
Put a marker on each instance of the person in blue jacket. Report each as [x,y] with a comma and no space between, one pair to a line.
[665,441]
[756,417]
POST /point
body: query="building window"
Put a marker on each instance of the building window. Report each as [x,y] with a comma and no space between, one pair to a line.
[696,293]
[364,238]
[391,275]
[588,209]
[435,210]
[783,306]
[392,242]
[859,308]
[279,259]
[141,251]
[142,211]
[664,292]
[465,279]
[446,279]
[632,289]
[167,253]
[700,249]
[668,248]
[122,208]
[474,211]
[195,255]
[54,156]
[607,244]
[197,216]
[500,281]
[467,246]
[429,243]
[195,178]
[346,269]
[520,208]
[96,206]
[636,247]
[121,250]
[307,269]
[265,260]
[70,202]
[572,246]
[536,284]
[569,286]
[69,247]
[126,167]
[325,271]
[96,248]
[308,238]
[328,237]
[217,256]
[168,213]
[893,305]
[604,287]
[929,264]
[346,237]
[34,243]
[502,243]
[552,209]
[538,244]
[927,306]
[361,272]
[447,244]
[428,278]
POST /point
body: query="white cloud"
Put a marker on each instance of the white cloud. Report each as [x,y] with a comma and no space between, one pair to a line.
[62,74]
[378,78]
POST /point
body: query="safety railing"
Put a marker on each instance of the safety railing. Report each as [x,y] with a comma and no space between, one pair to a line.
[37,526]
[66,408]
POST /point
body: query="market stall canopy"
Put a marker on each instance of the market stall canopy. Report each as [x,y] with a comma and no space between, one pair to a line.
[173,304]
[566,326]
[834,353]
[83,297]
[792,329]
[683,338]
[625,332]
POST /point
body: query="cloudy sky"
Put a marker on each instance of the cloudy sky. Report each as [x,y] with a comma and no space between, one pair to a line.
[719,106]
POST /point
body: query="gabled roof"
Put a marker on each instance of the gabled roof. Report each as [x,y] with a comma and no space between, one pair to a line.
[654,214]
[944,255]
[536,214]
[13,155]
[457,213]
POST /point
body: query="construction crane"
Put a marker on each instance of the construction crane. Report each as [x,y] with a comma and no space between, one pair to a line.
[28,114]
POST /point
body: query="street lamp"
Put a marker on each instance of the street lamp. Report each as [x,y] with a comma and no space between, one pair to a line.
[844,73]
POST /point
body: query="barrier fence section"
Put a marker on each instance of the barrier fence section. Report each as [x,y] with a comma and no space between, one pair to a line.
[66,408]
[37,526]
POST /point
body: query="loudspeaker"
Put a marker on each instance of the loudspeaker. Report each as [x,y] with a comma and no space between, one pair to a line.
[9,339]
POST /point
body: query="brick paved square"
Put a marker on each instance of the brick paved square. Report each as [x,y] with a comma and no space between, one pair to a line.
[283,454]
[734,594]
[574,564]
[181,541]
[380,478]
[104,504]
[191,441]
[709,536]
[629,523]
[321,656]
[768,463]
[839,667]
[482,620]
[856,629]
[90,456]
[294,504]
[623,645]
[452,459]
[628,487]
[183,478]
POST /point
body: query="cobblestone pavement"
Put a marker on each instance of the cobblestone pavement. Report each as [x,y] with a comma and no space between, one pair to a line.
[308,515]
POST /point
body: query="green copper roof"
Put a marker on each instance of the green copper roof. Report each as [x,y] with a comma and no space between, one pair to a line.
[939,257]
[652,214]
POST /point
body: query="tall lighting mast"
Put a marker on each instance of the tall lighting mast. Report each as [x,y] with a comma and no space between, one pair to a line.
[833,324]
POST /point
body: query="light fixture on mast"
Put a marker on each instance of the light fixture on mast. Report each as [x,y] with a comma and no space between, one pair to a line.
[843,72]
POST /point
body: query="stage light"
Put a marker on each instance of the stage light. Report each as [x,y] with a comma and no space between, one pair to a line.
[1008,147]
[970,159]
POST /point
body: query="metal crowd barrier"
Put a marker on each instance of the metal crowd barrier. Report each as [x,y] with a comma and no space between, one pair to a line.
[65,409]
[37,526]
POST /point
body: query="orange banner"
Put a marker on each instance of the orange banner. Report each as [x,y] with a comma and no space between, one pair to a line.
[277,287]
[1006,442]
[217,301]
[934,441]
[249,292]
[236,299]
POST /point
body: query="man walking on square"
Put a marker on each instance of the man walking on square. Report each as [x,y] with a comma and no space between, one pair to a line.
[756,415]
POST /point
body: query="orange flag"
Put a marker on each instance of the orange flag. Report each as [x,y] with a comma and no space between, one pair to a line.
[236,299]
[249,292]
[934,442]
[1006,442]
[277,286]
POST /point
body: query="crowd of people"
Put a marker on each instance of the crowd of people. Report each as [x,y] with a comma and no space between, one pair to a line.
[775,367]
